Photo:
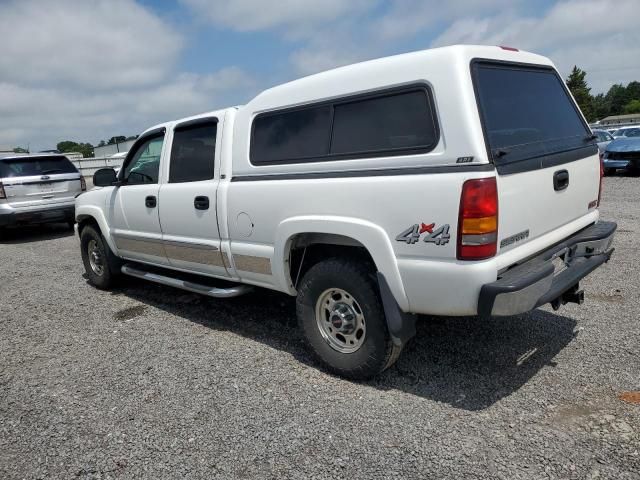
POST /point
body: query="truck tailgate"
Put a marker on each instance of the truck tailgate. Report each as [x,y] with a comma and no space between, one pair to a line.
[532,204]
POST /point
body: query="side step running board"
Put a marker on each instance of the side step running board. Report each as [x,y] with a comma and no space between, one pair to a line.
[208,290]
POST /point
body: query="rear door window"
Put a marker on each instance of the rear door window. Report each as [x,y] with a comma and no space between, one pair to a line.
[193,153]
[33,166]
[526,112]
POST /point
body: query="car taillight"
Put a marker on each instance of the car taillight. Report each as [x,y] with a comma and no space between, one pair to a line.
[478,219]
[2,194]
[601,175]
[83,184]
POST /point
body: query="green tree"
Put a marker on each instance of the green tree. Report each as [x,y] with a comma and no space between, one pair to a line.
[102,143]
[117,139]
[600,106]
[617,98]
[632,107]
[633,91]
[577,84]
[86,149]
[20,150]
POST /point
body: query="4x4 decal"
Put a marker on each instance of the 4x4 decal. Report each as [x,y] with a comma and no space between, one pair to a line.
[439,236]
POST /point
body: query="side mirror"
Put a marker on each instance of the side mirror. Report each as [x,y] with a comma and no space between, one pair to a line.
[105,177]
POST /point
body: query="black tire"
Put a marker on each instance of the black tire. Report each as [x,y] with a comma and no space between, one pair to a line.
[377,351]
[104,278]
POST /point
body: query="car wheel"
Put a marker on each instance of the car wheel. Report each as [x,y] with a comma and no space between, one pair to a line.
[98,259]
[342,318]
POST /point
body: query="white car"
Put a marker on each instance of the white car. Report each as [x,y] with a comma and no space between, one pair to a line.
[400,186]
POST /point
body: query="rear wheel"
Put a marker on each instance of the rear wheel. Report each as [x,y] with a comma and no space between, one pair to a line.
[99,261]
[341,315]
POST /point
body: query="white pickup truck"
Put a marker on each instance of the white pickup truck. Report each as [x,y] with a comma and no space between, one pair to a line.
[455,181]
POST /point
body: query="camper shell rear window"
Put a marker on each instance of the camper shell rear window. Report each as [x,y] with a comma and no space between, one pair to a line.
[527,113]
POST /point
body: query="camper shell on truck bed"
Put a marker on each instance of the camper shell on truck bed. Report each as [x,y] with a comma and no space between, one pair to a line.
[455,181]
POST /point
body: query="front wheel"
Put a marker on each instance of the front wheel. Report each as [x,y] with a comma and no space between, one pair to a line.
[97,258]
[341,315]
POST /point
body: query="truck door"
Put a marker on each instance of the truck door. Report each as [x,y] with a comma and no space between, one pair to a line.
[188,198]
[133,205]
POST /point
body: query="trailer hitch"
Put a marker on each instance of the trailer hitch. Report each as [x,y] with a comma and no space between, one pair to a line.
[573,295]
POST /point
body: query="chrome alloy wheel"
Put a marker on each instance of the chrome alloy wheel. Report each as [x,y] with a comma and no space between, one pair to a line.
[96,259]
[340,320]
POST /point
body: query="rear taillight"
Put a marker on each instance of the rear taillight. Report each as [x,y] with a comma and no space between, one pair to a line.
[601,175]
[2,194]
[83,184]
[478,219]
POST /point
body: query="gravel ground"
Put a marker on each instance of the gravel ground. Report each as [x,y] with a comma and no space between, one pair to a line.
[148,381]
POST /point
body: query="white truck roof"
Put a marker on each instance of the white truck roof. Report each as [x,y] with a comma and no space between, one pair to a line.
[384,71]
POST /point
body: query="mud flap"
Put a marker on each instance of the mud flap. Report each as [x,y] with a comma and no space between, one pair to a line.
[402,326]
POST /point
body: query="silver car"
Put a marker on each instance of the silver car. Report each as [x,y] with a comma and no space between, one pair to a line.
[38,189]
[604,139]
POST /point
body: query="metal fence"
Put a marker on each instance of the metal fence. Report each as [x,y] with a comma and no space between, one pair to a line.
[112,149]
[88,166]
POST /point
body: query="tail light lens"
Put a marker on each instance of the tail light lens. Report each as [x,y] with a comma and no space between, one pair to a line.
[478,219]
[2,194]
[83,184]
[601,175]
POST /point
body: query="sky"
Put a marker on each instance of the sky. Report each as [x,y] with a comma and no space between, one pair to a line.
[87,70]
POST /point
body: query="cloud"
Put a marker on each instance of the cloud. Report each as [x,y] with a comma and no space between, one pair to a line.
[93,44]
[405,18]
[253,15]
[88,70]
[600,36]
[324,33]
[48,115]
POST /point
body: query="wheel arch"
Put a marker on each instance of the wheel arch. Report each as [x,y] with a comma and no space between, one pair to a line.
[340,232]
[87,215]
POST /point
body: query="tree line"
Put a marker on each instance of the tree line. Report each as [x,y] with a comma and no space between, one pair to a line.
[86,149]
[619,99]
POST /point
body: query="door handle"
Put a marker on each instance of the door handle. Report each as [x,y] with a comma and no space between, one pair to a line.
[150,201]
[201,203]
[560,180]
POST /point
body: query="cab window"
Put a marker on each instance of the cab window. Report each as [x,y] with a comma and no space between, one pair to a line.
[144,166]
